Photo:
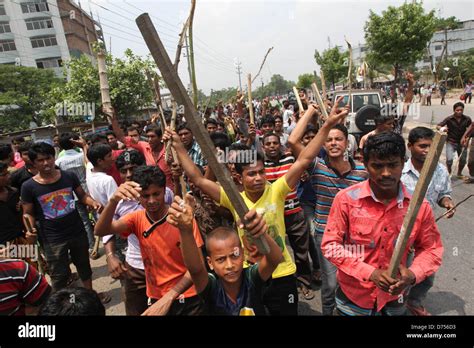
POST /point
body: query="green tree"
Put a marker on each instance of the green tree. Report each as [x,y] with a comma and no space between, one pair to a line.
[305,80]
[333,63]
[25,96]
[461,68]
[399,36]
[129,88]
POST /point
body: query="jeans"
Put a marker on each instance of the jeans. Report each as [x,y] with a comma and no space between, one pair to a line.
[84,214]
[328,278]
[450,149]
[418,292]
[308,209]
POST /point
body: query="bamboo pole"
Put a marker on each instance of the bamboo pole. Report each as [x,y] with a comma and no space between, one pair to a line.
[249,86]
[191,53]
[104,85]
[298,99]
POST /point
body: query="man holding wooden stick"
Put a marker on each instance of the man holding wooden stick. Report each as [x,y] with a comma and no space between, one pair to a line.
[362,229]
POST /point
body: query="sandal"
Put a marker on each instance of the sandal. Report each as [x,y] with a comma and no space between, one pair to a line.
[307,292]
[94,255]
[316,276]
[104,297]
[418,311]
[469,180]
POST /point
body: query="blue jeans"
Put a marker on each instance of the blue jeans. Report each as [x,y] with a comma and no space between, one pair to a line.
[328,278]
[84,214]
[308,209]
[418,292]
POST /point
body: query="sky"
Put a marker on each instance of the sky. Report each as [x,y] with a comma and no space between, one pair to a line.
[226,31]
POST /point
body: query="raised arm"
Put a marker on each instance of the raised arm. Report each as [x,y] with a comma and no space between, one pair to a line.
[193,173]
[106,224]
[295,137]
[308,154]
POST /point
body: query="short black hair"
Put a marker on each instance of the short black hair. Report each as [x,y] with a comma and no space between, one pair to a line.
[25,146]
[418,133]
[40,148]
[279,117]
[98,139]
[149,175]
[269,119]
[220,233]
[98,152]
[458,104]
[211,120]
[73,302]
[270,134]
[220,140]
[382,117]
[182,126]
[133,128]
[240,166]
[155,129]
[5,151]
[342,128]
[65,142]
[110,133]
[130,157]
[384,145]
[18,139]
[3,166]
[310,128]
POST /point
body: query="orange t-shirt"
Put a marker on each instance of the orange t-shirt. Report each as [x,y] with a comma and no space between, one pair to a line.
[161,252]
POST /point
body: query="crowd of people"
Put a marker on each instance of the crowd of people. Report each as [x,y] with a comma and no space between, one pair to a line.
[329,206]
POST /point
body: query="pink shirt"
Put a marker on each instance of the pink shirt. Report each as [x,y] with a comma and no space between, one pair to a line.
[358,223]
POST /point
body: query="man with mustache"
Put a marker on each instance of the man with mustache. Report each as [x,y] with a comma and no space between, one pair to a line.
[362,229]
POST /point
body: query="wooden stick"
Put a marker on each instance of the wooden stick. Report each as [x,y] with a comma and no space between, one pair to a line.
[180,43]
[297,95]
[349,74]
[415,203]
[261,66]
[249,84]
[176,87]
[323,85]
[320,102]
[104,85]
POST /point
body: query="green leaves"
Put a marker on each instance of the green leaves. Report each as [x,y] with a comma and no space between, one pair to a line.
[334,64]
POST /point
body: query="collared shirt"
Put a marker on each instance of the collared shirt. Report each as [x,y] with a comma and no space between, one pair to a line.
[196,155]
[440,185]
[360,237]
[456,129]
[327,182]
[151,159]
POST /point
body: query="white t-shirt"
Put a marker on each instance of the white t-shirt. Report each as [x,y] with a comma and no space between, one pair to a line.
[101,188]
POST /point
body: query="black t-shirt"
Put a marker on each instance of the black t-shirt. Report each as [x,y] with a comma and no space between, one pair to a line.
[456,129]
[10,217]
[18,177]
[55,208]
[249,297]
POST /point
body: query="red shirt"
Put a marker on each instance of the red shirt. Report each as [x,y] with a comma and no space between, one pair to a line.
[360,223]
[151,159]
[114,172]
[161,252]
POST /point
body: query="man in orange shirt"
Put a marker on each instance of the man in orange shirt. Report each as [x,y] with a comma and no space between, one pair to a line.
[363,226]
[169,284]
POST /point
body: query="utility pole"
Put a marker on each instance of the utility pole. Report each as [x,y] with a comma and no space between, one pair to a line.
[238,66]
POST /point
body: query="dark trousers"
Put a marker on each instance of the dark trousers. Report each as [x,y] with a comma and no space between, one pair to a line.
[280,296]
[134,291]
[57,258]
[298,235]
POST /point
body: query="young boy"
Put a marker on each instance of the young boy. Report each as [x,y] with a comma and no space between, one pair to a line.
[166,275]
[233,290]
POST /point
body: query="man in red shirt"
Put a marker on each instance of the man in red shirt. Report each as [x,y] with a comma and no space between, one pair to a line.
[362,229]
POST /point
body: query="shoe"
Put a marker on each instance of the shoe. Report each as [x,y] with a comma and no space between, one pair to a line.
[94,255]
[418,311]
[307,292]
[469,180]
[104,297]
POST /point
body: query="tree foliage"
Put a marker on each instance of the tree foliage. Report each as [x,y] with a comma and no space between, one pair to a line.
[25,96]
[333,63]
[399,36]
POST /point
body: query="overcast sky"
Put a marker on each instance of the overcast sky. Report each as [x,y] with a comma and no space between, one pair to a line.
[225,30]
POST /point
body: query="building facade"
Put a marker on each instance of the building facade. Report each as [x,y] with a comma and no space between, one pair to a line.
[44,33]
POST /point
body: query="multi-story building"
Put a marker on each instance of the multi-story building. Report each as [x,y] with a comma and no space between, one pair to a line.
[44,33]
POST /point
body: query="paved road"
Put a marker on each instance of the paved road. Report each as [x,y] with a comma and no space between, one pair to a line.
[452,293]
